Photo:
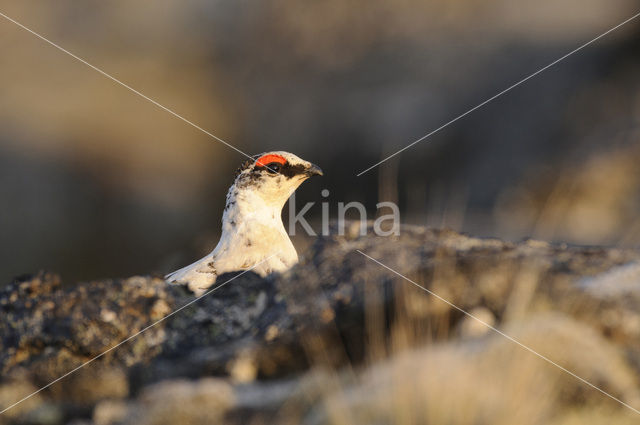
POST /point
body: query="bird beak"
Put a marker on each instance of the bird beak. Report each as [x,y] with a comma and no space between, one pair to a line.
[314,170]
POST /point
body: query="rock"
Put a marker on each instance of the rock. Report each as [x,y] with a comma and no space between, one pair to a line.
[54,330]
[182,402]
[618,281]
[337,309]
[81,388]
[14,390]
[45,414]
[110,412]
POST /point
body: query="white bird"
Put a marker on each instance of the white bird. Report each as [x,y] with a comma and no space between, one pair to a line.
[252,228]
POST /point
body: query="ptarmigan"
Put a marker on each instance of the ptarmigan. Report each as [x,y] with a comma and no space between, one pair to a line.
[252,228]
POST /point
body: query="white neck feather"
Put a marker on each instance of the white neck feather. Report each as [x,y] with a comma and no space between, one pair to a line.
[245,209]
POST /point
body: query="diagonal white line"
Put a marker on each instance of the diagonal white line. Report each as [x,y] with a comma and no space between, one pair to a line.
[501,93]
[531,350]
[136,334]
[112,78]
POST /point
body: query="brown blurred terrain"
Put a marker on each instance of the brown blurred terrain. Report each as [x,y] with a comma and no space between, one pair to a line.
[97,182]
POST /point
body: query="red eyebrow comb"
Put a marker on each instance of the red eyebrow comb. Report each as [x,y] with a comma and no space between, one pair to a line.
[265,160]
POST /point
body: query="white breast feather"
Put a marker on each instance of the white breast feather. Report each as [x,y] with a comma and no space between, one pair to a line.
[252,233]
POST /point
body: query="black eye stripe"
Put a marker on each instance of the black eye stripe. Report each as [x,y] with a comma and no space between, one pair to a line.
[287,170]
[273,167]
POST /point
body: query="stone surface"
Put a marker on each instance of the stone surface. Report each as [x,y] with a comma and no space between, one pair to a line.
[252,349]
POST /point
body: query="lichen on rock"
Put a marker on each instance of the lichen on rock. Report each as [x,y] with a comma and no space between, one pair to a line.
[250,347]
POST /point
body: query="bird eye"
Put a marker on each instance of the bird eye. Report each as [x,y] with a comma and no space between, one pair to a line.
[273,167]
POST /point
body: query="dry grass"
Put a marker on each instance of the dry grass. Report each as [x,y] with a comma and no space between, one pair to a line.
[441,371]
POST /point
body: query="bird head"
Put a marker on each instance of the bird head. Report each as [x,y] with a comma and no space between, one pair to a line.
[274,176]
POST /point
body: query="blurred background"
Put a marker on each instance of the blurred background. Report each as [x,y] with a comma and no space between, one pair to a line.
[98,182]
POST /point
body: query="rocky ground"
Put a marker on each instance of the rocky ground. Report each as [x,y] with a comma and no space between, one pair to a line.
[338,339]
